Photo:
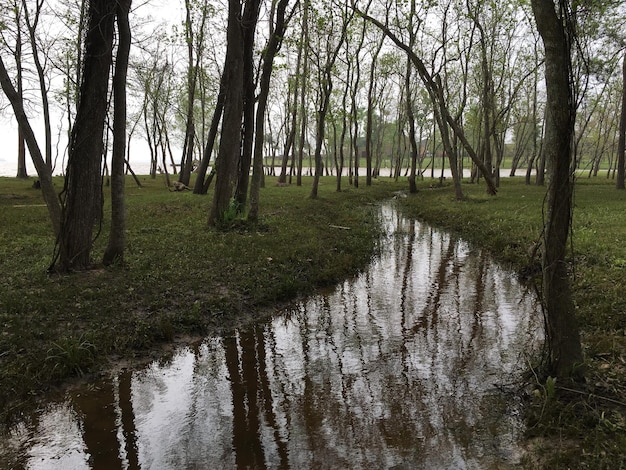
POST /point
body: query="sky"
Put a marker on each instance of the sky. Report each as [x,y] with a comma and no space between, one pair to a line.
[171,11]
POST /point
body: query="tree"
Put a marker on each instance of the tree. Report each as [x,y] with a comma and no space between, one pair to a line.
[273,46]
[194,40]
[621,147]
[43,171]
[230,142]
[82,192]
[433,85]
[325,62]
[555,25]
[117,238]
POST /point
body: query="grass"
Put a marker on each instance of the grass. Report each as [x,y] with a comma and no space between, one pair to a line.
[583,428]
[181,278]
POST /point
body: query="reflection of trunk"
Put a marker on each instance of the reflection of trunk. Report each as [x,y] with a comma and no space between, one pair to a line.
[128,419]
[243,379]
[99,426]
[266,396]
[563,336]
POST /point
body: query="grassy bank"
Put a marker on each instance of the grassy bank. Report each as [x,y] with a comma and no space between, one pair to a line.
[568,429]
[180,278]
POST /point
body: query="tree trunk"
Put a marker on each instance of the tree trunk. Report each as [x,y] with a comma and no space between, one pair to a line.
[82,194]
[117,238]
[228,154]
[411,118]
[41,75]
[249,21]
[43,170]
[621,145]
[199,185]
[562,335]
[370,114]
[21,144]
[273,46]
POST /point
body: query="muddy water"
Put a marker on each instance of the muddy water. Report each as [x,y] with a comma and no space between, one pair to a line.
[399,368]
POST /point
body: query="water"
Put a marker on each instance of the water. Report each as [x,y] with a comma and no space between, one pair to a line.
[399,368]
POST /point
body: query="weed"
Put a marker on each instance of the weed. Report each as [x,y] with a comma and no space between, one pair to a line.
[71,355]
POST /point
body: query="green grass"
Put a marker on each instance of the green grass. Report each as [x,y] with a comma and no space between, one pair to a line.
[179,276]
[182,278]
[567,429]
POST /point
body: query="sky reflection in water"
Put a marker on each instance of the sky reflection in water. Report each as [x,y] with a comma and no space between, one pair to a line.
[396,368]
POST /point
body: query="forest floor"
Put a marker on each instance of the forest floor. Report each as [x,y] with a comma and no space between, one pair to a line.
[181,279]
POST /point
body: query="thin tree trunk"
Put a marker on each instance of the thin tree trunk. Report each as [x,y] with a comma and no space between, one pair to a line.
[199,185]
[43,88]
[411,118]
[621,145]
[43,170]
[117,238]
[273,46]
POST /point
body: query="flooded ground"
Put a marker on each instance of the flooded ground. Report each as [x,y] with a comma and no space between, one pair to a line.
[402,367]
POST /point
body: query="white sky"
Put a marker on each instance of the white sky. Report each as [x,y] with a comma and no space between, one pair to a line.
[161,11]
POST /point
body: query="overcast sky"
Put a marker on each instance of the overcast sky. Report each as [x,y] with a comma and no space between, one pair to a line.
[161,10]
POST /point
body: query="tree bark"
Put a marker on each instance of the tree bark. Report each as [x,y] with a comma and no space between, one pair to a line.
[228,154]
[249,21]
[621,145]
[273,46]
[199,186]
[82,194]
[117,238]
[562,335]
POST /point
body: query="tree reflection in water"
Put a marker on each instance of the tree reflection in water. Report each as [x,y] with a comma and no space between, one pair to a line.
[396,368]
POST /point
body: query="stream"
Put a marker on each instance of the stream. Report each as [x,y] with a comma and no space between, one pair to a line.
[405,366]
